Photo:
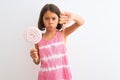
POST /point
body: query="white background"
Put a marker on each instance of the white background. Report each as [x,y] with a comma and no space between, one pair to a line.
[94,49]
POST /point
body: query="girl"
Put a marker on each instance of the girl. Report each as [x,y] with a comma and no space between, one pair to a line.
[50,52]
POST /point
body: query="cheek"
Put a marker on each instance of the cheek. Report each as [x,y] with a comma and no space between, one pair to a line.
[56,22]
[45,22]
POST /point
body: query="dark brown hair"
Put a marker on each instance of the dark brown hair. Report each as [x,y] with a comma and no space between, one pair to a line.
[53,8]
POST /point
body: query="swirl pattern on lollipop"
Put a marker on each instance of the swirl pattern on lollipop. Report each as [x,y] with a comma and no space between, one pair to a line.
[33,35]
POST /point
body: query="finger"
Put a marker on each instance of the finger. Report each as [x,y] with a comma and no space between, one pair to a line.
[66,13]
[34,55]
[63,22]
[34,49]
[64,17]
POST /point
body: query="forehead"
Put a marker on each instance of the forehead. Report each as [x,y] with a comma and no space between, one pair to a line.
[50,14]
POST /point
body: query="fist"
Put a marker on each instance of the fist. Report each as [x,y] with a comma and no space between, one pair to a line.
[65,17]
[34,53]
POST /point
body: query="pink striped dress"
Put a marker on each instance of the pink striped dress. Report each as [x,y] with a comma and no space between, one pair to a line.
[54,62]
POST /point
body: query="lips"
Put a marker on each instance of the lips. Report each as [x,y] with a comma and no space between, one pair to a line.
[49,26]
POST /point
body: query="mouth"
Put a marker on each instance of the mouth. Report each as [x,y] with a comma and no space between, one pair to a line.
[49,26]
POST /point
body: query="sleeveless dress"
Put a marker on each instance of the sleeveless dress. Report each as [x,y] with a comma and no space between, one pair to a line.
[54,61]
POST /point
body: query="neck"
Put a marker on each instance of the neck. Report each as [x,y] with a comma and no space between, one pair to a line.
[50,32]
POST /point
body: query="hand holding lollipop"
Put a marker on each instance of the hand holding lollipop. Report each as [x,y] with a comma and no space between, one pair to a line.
[33,35]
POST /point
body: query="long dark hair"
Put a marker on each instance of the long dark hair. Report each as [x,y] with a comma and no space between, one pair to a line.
[52,8]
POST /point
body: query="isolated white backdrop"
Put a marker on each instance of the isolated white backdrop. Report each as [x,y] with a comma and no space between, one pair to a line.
[94,52]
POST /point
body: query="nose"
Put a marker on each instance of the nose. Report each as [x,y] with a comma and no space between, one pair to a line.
[50,21]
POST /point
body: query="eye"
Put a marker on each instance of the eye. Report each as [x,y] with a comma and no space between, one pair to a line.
[53,18]
[46,18]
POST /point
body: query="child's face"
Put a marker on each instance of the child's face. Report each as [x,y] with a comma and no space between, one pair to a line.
[50,20]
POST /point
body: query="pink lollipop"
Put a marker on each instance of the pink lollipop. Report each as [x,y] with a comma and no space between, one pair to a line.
[33,35]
